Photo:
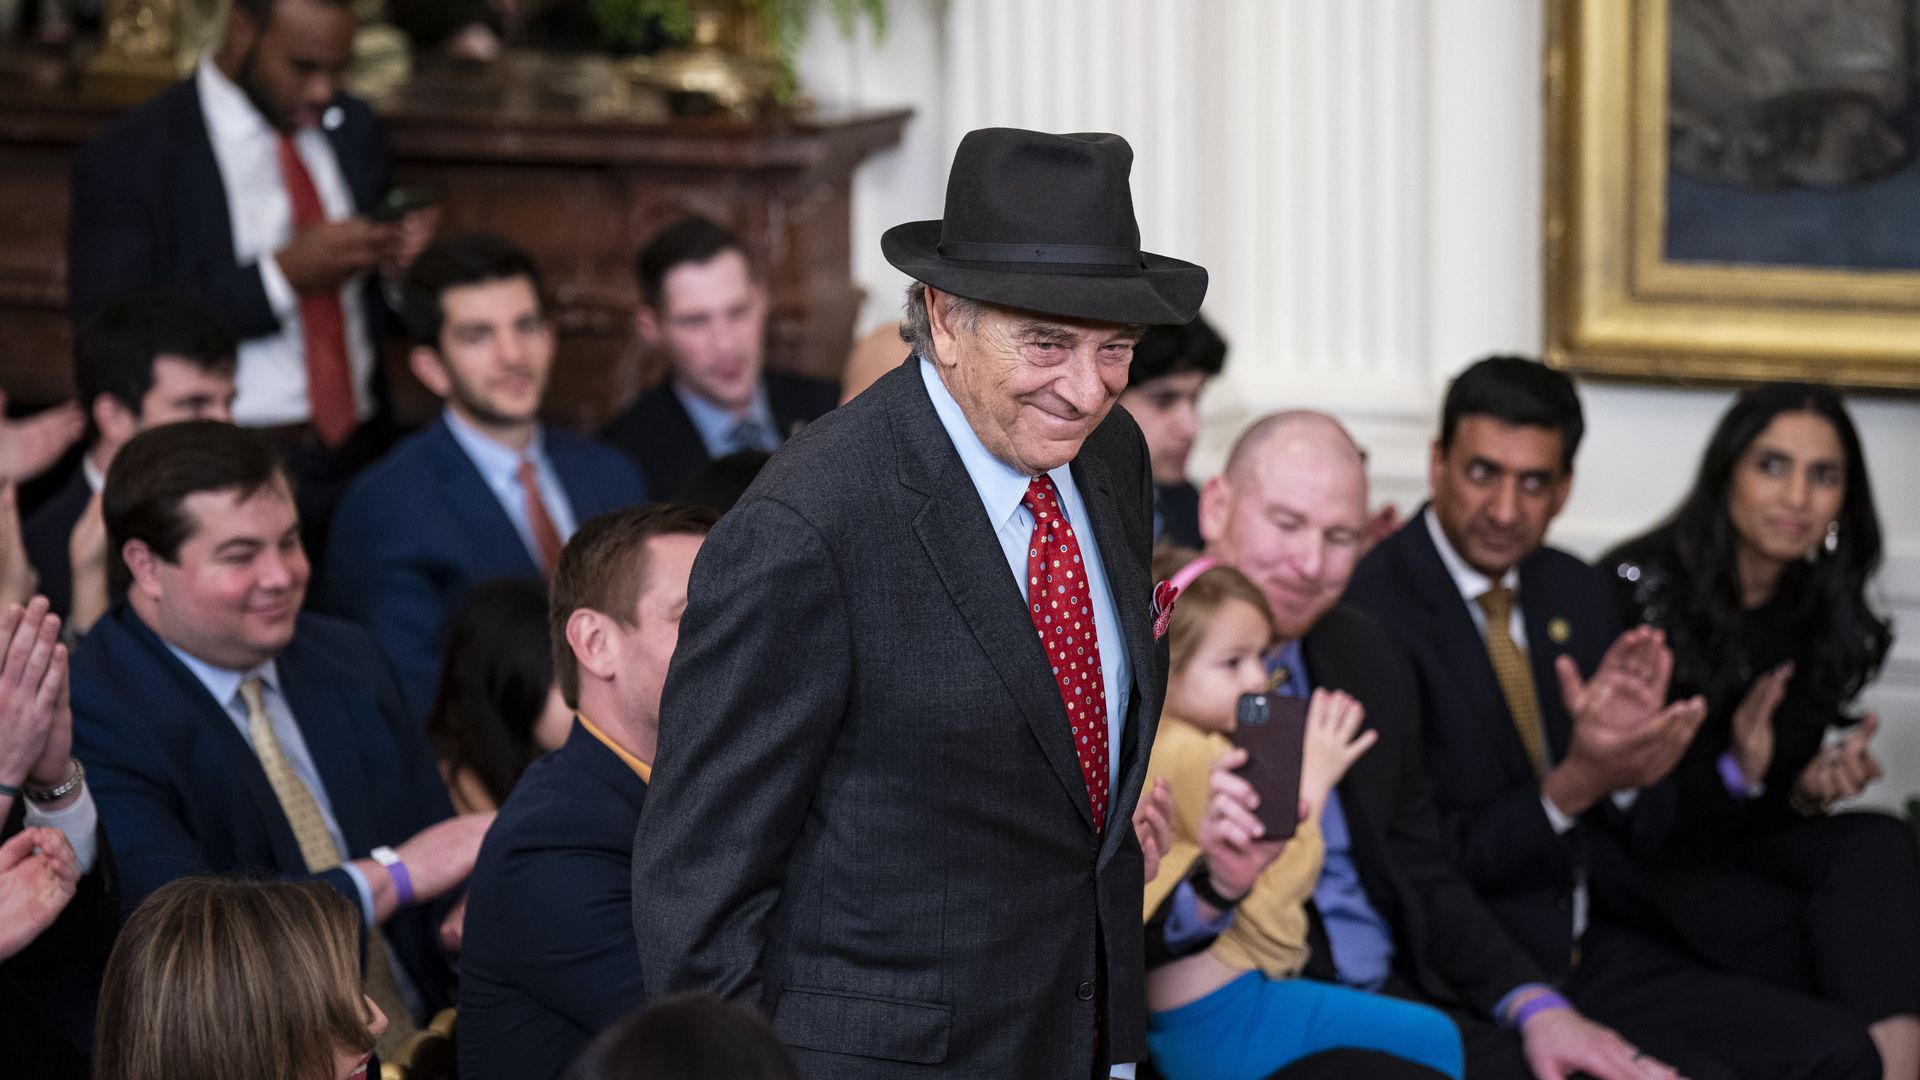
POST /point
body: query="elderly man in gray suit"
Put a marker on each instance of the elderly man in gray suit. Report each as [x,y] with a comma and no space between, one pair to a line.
[918,678]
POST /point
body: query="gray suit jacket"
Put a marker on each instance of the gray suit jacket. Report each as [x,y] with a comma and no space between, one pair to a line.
[866,813]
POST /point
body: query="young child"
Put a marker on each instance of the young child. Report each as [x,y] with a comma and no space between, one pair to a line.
[1237,1011]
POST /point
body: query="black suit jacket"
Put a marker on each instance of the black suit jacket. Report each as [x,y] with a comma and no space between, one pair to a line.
[49,990]
[181,792]
[1446,941]
[1483,783]
[46,535]
[657,433]
[867,814]
[548,956]
[150,210]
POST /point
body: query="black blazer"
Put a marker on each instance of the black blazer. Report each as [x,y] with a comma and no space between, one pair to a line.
[150,210]
[660,437]
[867,814]
[548,955]
[1446,940]
[180,791]
[1483,784]
[49,990]
[46,535]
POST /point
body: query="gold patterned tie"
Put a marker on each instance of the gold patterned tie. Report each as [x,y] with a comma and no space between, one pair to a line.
[317,849]
[1516,677]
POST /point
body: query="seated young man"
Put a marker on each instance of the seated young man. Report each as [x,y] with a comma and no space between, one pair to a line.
[147,359]
[549,958]
[227,731]
[486,491]
[704,305]
[1171,365]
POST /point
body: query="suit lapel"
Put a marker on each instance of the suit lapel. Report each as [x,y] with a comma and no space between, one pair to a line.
[476,509]
[1450,626]
[352,165]
[966,555]
[199,194]
[1537,612]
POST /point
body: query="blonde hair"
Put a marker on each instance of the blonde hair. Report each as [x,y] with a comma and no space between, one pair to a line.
[1203,596]
[227,979]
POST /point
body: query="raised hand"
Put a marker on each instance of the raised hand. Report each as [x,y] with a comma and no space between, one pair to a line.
[1844,769]
[1624,736]
[1153,825]
[1334,742]
[1753,722]
[29,639]
[18,580]
[30,446]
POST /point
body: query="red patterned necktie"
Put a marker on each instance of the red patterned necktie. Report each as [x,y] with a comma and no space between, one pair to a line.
[323,322]
[1062,608]
[545,536]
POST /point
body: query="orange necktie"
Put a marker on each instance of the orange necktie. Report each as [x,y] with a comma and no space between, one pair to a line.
[545,536]
[323,323]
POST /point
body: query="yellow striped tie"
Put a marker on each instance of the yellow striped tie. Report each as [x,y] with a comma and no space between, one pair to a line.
[318,850]
[1516,677]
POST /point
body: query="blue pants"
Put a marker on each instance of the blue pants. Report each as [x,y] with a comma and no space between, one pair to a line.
[1254,1025]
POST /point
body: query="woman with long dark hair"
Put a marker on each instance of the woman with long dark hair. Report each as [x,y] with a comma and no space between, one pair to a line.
[1760,582]
[496,709]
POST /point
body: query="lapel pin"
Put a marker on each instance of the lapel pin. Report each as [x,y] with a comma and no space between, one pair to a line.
[1559,630]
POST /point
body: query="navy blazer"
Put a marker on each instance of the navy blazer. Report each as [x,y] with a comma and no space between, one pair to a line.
[420,529]
[549,957]
[659,436]
[47,534]
[1483,783]
[150,210]
[180,791]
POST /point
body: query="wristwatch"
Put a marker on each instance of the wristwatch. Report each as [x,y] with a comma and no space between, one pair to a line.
[396,869]
[1202,883]
[55,794]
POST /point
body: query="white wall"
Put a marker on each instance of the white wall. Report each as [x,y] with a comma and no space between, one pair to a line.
[1363,179]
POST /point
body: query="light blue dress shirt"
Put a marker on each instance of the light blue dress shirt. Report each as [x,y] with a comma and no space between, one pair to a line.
[720,430]
[224,685]
[1001,487]
[1362,941]
[500,468]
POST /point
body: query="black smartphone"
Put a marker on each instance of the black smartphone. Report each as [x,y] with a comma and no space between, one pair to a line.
[1273,731]
[400,202]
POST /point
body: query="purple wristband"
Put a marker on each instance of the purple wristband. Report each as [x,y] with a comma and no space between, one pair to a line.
[1535,1005]
[1733,777]
[397,870]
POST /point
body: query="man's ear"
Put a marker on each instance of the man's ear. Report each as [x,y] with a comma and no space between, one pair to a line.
[1216,495]
[144,565]
[1562,488]
[591,639]
[426,365]
[941,328]
[1436,467]
[646,323]
[115,422]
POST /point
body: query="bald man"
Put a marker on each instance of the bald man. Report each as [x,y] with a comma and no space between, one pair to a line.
[1389,914]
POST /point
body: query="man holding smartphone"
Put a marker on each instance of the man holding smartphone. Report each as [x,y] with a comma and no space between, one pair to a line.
[250,186]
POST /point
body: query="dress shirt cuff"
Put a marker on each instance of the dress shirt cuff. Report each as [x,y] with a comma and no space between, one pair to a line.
[1624,800]
[1556,817]
[280,295]
[365,890]
[1121,1072]
[79,820]
[1186,926]
[1735,780]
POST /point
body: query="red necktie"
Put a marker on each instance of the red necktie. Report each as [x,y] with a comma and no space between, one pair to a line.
[323,324]
[1062,608]
[545,536]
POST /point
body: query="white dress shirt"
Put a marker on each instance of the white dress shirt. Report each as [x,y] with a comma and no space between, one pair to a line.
[271,381]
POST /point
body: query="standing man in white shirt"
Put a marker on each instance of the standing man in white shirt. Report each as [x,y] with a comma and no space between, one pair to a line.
[248,187]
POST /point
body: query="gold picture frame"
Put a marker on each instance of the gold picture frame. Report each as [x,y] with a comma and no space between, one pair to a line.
[1616,306]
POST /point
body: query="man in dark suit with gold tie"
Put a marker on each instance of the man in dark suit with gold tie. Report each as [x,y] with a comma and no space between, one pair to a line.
[917,679]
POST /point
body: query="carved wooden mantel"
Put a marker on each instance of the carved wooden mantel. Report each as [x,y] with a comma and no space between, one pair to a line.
[580,179]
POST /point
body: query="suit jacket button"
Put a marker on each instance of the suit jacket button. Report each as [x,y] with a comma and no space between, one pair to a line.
[1085,992]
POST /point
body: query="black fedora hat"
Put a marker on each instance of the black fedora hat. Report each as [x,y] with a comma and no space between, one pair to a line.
[1045,223]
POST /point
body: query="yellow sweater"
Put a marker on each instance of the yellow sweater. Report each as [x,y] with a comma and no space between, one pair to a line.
[1269,931]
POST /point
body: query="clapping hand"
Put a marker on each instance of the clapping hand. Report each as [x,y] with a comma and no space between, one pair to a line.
[33,690]
[1753,722]
[1844,769]
[1624,737]
[30,446]
[38,875]
[1153,825]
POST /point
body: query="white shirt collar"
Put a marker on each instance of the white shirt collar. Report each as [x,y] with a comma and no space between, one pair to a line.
[499,465]
[231,116]
[1469,581]
[224,683]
